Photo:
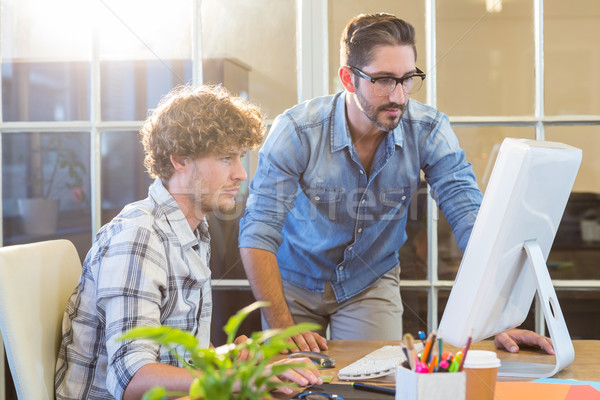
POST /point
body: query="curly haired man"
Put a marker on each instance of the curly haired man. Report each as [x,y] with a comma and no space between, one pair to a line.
[150,265]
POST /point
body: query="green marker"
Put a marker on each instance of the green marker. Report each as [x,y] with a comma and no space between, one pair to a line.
[454,365]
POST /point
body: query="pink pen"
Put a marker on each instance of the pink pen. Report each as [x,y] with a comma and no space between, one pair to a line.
[421,368]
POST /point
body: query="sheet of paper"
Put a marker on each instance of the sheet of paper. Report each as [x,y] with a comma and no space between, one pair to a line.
[583,392]
[530,390]
[593,384]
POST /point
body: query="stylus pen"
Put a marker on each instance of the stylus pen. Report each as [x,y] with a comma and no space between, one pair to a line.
[372,388]
[465,351]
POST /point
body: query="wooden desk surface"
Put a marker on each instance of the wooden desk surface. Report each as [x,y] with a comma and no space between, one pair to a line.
[586,365]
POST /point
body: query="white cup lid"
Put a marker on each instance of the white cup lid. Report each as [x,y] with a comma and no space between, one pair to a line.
[481,359]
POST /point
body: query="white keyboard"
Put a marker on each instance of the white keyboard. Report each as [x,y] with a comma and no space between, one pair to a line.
[378,363]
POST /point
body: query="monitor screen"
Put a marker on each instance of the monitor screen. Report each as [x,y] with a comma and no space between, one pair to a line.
[524,201]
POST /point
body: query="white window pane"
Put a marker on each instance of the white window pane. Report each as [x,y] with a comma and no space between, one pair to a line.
[251,46]
[45,51]
[572,57]
[145,51]
[146,30]
[485,60]
[42,29]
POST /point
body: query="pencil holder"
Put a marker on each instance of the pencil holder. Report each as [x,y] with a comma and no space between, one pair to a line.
[434,386]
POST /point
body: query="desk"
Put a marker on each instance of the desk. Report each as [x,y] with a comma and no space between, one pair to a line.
[585,367]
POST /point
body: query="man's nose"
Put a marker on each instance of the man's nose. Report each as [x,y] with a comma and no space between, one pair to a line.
[239,172]
[397,95]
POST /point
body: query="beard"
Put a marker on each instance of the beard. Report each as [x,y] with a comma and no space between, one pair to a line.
[208,200]
[217,203]
[202,203]
[386,124]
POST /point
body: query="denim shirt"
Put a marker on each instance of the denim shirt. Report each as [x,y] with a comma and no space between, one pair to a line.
[312,203]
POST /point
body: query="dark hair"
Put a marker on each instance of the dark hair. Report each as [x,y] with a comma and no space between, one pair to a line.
[194,122]
[365,32]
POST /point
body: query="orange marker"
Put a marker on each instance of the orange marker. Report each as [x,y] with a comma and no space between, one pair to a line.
[433,364]
[426,356]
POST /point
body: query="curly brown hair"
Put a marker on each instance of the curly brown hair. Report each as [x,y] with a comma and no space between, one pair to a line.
[194,122]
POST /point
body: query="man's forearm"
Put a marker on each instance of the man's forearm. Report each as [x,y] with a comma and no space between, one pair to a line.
[263,274]
[172,378]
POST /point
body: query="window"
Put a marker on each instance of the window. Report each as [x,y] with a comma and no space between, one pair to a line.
[76,86]
[482,68]
[501,72]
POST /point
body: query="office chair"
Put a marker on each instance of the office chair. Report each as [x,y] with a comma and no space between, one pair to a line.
[36,281]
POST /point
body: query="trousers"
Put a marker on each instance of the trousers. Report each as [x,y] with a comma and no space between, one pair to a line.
[374,314]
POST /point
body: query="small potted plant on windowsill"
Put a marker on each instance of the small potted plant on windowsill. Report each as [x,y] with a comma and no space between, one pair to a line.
[48,181]
[219,373]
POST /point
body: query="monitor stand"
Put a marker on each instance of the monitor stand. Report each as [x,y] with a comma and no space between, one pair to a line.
[563,347]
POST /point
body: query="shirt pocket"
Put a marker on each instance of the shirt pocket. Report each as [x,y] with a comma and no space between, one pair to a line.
[394,202]
[325,200]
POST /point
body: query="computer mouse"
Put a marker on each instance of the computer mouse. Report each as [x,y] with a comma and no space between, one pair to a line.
[322,360]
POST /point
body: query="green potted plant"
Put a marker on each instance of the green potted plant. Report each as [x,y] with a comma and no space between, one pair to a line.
[47,181]
[219,370]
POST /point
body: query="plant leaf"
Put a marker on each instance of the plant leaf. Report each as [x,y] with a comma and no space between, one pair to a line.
[196,389]
[164,335]
[156,393]
[233,324]
[218,370]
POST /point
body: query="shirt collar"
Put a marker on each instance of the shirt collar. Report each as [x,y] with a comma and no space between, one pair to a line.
[175,218]
[340,133]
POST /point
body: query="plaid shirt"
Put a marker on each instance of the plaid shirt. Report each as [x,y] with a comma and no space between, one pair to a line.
[146,267]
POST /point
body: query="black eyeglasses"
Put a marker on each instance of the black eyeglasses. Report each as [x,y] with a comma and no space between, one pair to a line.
[385,85]
[318,396]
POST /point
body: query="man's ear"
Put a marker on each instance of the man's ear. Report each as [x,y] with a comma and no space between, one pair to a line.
[346,78]
[179,162]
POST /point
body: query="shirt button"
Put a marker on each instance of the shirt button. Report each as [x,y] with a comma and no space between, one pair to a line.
[317,198]
[363,201]
[403,197]
[362,172]
[350,248]
[341,267]
[359,230]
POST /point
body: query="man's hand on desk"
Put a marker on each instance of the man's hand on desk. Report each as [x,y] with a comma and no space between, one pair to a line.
[511,339]
[243,355]
[303,376]
[309,341]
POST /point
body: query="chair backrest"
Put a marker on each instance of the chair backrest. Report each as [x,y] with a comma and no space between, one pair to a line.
[36,281]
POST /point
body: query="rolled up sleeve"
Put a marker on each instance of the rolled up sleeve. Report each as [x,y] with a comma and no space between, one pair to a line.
[282,160]
[130,299]
[453,183]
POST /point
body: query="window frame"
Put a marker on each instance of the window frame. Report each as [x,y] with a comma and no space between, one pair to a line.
[313,80]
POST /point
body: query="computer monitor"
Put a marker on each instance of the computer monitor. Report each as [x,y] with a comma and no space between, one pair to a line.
[505,259]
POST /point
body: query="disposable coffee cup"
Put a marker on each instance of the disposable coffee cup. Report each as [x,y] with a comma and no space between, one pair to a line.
[481,368]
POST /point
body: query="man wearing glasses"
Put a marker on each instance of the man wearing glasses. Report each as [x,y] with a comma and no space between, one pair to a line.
[328,205]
